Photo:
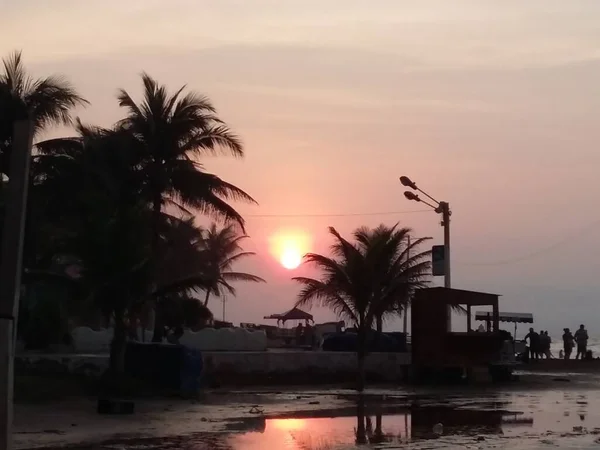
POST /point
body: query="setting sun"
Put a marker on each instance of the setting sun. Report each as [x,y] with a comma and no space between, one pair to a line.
[289,247]
[291,258]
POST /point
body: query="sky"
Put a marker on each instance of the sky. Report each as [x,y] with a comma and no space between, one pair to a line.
[491,106]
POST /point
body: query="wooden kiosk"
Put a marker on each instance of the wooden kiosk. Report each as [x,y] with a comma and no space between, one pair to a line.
[436,350]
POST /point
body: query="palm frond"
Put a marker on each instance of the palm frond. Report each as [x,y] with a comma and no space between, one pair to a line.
[235,258]
[207,193]
[214,140]
[322,294]
[241,276]
[125,101]
[49,101]
[195,283]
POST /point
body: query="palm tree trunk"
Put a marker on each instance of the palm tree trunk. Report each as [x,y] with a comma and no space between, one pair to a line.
[206,298]
[361,429]
[117,347]
[379,324]
[159,329]
[361,356]
[378,428]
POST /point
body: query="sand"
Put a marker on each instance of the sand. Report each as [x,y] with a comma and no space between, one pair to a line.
[542,410]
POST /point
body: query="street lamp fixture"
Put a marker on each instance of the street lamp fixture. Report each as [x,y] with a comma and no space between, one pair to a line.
[439,207]
[408,182]
[411,196]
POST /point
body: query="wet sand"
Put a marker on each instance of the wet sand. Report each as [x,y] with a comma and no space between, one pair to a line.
[541,410]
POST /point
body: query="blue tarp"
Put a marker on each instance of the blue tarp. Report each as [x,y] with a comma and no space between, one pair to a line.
[191,370]
[169,366]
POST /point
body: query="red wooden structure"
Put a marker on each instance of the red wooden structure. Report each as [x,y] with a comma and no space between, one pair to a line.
[434,346]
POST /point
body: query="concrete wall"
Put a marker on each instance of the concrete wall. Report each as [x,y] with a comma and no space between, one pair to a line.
[225,339]
[88,341]
[41,363]
[389,366]
[257,367]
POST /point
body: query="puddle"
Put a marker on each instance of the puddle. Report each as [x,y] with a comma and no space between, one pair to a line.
[376,427]
[428,420]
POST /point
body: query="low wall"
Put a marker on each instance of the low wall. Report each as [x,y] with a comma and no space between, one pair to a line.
[88,341]
[225,339]
[243,367]
[50,363]
[386,366]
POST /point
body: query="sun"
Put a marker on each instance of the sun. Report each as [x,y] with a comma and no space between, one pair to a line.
[291,258]
[289,247]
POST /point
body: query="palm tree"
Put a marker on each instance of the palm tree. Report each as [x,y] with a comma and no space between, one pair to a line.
[90,185]
[395,250]
[364,280]
[180,268]
[175,129]
[47,101]
[222,249]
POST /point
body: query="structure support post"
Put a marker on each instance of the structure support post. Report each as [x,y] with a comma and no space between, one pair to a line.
[11,266]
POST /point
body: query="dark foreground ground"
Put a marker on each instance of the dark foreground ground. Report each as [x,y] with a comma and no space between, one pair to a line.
[542,410]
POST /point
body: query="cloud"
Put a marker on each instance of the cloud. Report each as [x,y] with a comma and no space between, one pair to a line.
[431,34]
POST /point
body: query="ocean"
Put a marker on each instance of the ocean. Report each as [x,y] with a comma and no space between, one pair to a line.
[557,346]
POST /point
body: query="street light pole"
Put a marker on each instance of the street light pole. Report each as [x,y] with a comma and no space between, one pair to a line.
[11,268]
[445,208]
[442,208]
[405,318]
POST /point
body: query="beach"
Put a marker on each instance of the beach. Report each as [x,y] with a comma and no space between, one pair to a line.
[543,409]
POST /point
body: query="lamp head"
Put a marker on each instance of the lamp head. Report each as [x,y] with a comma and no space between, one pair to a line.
[412,196]
[408,182]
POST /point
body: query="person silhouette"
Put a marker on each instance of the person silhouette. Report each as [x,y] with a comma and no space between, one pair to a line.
[534,344]
[568,343]
[581,337]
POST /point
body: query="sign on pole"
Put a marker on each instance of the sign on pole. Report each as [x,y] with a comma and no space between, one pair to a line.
[438,257]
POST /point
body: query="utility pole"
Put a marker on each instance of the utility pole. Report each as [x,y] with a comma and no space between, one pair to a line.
[11,266]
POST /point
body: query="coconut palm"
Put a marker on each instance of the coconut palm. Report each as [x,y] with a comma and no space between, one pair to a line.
[107,225]
[47,101]
[174,130]
[222,249]
[396,247]
[90,187]
[365,279]
[179,270]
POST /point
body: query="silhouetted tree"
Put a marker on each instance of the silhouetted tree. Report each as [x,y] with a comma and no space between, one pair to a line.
[174,130]
[364,280]
[222,249]
[48,101]
[400,270]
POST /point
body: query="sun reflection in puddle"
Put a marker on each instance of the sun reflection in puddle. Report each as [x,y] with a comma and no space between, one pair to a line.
[324,433]
[351,428]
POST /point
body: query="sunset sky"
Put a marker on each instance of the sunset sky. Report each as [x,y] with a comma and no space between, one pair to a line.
[492,106]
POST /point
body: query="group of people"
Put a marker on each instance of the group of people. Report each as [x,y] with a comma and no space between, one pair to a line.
[539,344]
[305,335]
[580,339]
